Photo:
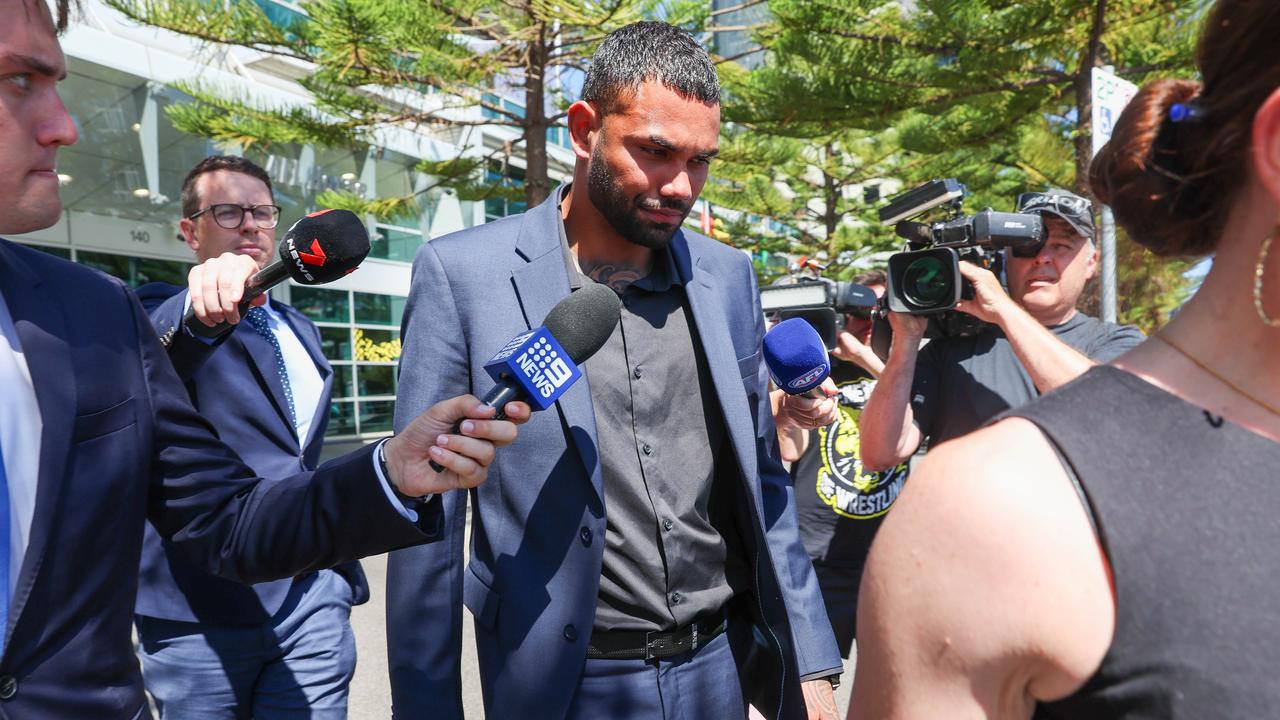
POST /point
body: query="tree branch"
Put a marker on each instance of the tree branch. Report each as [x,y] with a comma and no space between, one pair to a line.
[735,8]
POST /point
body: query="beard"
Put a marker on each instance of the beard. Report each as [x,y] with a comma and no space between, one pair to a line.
[624,213]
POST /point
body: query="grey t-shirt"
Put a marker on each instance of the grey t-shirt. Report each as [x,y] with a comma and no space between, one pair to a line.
[962,382]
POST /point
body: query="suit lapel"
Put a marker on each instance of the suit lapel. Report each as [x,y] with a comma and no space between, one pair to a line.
[263,357]
[705,300]
[540,284]
[37,312]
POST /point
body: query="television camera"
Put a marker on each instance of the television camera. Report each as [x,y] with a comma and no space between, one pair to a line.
[925,278]
[822,302]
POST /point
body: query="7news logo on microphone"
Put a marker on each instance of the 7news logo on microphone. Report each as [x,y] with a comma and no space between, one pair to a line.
[536,361]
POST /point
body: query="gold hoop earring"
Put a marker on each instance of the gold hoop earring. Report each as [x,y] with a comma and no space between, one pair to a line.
[1258,277]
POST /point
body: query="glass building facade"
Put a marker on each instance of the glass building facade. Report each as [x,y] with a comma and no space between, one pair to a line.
[120,187]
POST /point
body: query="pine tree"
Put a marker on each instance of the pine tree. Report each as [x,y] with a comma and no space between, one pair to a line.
[421,64]
[996,93]
[816,187]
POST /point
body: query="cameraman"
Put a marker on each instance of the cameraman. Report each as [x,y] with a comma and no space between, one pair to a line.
[839,503]
[1035,341]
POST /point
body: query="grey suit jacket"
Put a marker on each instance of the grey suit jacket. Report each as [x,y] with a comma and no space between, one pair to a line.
[538,523]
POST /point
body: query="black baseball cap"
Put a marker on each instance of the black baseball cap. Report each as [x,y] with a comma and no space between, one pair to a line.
[1077,211]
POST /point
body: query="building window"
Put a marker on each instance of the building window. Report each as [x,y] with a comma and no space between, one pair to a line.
[360,335]
[136,271]
[321,305]
[394,243]
[374,309]
[510,177]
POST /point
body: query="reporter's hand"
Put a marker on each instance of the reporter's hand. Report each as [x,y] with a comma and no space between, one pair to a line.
[802,413]
[465,457]
[217,286]
[989,298]
[819,699]
[908,326]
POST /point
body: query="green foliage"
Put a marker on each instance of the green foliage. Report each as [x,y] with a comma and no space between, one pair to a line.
[992,92]
[375,64]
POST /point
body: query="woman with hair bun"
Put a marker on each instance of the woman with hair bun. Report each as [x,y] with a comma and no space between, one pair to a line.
[1109,551]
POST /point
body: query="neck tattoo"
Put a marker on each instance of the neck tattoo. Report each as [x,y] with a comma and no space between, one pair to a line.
[616,275]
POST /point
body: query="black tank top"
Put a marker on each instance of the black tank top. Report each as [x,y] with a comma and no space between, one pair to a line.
[1187,507]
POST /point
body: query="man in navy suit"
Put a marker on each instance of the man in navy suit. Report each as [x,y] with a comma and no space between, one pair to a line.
[210,647]
[98,435]
[639,557]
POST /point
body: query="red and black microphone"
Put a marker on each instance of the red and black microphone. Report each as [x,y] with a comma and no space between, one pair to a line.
[318,249]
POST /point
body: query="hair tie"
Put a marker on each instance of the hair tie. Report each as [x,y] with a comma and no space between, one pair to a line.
[1186,112]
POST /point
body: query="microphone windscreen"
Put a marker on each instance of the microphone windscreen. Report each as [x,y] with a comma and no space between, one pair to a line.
[796,356]
[324,246]
[583,322]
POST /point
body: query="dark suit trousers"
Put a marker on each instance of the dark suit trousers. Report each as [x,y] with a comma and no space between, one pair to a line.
[698,685]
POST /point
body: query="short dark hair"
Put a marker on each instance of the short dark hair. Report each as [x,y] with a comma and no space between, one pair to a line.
[214,163]
[649,50]
[62,12]
[872,277]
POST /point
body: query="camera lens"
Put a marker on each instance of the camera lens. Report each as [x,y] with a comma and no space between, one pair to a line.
[926,283]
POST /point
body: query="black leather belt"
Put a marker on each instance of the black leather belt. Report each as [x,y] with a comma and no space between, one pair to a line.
[635,644]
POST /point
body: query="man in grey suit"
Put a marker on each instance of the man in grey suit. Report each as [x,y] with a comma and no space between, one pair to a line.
[637,555]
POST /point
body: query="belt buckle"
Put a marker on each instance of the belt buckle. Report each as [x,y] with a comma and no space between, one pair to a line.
[649,642]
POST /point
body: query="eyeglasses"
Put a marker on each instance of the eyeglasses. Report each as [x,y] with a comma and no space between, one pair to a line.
[1074,205]
[231,216]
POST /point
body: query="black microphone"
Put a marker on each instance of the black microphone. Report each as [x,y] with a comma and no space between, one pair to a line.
[318,249]
[538,366]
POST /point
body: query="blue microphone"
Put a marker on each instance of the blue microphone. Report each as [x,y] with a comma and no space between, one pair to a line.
[532,366]
[538,366]
[796,358]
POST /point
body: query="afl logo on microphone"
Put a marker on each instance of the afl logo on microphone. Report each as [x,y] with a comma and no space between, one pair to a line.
[808,378]
[544,366]
[301,258]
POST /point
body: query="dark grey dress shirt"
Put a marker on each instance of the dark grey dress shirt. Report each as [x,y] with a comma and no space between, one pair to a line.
[671,549]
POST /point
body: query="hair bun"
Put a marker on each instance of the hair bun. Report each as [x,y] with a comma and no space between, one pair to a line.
[1144,175]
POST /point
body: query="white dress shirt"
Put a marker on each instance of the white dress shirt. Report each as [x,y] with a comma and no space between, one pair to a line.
[20,428]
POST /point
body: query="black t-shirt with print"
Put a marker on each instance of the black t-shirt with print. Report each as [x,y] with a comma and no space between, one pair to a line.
[840,504]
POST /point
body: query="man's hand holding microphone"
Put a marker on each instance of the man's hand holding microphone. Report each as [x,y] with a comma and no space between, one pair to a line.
[449,446]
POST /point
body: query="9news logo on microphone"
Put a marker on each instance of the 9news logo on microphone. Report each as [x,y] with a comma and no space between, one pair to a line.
[538,363]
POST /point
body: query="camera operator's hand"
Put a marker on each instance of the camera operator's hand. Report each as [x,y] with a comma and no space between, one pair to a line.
[990,301]
[850,349]
[795,412]
[907,326]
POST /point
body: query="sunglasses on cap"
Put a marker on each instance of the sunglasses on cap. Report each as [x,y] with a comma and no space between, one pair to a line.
[1075,210]
[1073,204]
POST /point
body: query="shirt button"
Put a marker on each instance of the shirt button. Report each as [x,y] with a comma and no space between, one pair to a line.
[8,687]
[667,525]
[585,534]
[636,373]
[676,598]
[647,450]
[570,633]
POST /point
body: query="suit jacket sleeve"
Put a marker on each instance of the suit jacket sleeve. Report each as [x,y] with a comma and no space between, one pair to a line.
[167,306]
[210,505]
[817,654]
[424,584]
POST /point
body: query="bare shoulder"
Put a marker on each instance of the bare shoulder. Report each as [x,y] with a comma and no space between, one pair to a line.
[986,589]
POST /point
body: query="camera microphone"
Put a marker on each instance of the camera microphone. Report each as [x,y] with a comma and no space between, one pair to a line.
[797,358]
[538,366]
[318,249]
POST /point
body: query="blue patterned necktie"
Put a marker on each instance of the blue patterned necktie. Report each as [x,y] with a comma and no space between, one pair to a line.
[257,319]
[4,551]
